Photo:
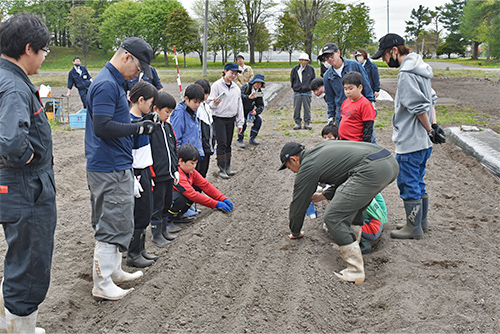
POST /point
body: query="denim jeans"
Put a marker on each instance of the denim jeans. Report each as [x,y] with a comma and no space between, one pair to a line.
[411,174]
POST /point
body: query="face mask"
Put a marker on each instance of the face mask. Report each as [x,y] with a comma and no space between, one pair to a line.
[327,65]
[77,66]
[393,62]
[322,95]
[360,59]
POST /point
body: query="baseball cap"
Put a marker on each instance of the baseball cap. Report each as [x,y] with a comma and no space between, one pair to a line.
[290,149]
[141,50]
[240,56]
[386,42]
[232,67]
[304,56]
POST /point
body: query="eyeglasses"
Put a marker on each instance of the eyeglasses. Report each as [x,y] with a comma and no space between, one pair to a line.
[330,56]
[45,51]
[138,68]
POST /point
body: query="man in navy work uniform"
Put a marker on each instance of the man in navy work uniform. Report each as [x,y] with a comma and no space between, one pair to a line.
[334,89]
[108,148]
[154,80]
[27,188]
[80,78]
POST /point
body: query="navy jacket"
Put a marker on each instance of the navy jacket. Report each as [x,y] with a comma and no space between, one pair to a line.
[155,80]
[307,76]
[81,82]
[334,89]
[24,127]
[372,72]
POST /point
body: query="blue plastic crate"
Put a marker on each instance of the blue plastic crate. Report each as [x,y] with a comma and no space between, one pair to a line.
[77,121]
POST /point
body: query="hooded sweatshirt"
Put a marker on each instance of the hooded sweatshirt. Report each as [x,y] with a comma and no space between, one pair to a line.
[414,96]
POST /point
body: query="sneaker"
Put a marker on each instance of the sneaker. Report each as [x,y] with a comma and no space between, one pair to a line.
[297,127]
[191,212]
[183,219]
[253,141]
[240,143]
[307,126]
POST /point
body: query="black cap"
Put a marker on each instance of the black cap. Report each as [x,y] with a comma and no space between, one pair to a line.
[141,50]
[240,56]
[386,42]
[290,149]
[327,48]
[232,67]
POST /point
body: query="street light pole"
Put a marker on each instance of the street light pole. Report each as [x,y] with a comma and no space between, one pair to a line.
[205,37]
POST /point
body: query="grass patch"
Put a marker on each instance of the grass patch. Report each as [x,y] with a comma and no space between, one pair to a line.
[460,114]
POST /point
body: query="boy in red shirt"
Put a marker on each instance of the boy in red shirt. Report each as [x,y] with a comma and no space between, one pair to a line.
[184,193]
[357,113]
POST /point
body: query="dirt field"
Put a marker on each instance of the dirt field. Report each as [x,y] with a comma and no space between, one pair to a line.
[239,272]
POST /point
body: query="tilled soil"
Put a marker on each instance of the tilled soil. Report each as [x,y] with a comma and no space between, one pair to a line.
[239,272]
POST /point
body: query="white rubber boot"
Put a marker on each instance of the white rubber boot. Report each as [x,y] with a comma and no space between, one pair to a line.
[105,258]
[355,228]
[355,271]
[3,325]
[119,276]
[26,324]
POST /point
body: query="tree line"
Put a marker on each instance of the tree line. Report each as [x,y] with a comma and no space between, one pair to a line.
[253,26]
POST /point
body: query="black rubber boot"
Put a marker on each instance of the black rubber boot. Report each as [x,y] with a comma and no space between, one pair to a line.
[222,169]
[144,252]
[253,141]
[413,227]
[156,231]
[425,209]
[134,254]
[165,234]
[229,172]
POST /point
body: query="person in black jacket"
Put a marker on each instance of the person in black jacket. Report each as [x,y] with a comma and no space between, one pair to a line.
[253,105]
[27,188]
[81,79]
[207,129]
[300,80]
[165,168]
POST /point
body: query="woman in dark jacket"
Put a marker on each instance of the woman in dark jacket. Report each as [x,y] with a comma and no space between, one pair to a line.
[371,70]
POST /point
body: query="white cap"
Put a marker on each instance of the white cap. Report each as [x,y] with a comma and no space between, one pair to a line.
[304,56]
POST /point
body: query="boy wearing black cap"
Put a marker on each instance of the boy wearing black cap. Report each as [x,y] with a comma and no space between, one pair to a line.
[415,129]
[253,105]
[246,72]
[357,172]
[110,178]
[334,89]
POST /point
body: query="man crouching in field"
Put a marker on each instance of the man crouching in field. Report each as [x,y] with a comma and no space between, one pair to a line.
[357,172]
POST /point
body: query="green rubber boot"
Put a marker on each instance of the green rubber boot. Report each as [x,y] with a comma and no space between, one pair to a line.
[413,227]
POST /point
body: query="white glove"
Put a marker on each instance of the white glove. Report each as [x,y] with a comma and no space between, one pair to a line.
[176,178]
[137,187]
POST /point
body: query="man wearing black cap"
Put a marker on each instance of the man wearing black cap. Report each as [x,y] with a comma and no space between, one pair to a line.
[414,131]
[334,89]
[357,172]
[108,148]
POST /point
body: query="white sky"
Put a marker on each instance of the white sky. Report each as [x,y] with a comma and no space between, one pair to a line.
[399,12]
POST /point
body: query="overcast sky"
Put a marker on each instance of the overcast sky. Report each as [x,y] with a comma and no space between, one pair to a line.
[399,12]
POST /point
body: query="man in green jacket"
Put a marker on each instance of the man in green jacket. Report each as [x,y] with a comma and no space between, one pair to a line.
[357,172]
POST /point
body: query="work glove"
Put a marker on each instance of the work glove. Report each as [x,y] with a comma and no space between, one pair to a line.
[152,116]
[437,135]
[147,127]
[176,178]
[222,206]
[228,203]
[137,187]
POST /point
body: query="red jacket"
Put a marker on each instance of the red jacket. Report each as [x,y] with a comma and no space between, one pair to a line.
[185,187]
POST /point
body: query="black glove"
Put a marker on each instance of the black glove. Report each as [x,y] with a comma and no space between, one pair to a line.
[147,127]
[152,116]
[437,135]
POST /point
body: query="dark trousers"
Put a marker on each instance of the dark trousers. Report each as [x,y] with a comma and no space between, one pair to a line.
[180,204]
[162,199]
[83,97]
[28,215]
[254,131]
[202,166]
[224,129]
[143,206]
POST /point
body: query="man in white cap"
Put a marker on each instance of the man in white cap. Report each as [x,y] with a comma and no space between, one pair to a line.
[300,80]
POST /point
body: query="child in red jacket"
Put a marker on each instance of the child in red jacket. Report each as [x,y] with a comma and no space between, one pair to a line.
[184,193]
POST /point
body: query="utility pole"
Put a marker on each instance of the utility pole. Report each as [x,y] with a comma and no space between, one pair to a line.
[205,37]
[388,31]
